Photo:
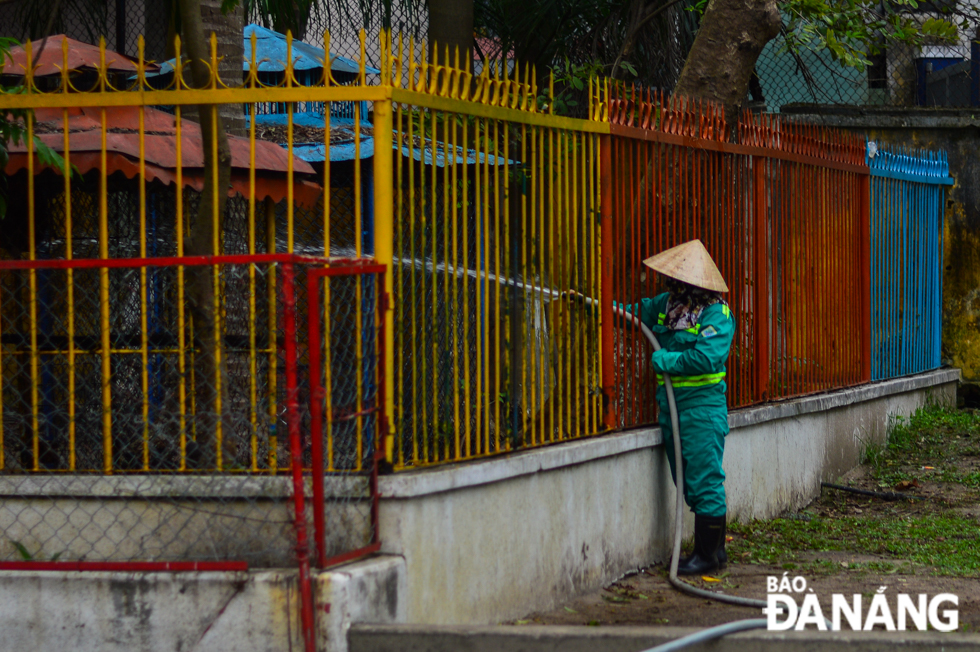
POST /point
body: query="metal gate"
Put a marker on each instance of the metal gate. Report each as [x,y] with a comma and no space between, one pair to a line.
[347,425]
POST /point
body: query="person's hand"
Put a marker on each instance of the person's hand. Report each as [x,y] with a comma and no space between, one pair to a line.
[657,360]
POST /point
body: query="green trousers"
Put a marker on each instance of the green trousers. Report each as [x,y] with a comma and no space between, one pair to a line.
[703,431]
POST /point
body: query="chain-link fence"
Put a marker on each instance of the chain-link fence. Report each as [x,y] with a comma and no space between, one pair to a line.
[120,22]
[153,411]
[346,401]
[138,422]
[898,76]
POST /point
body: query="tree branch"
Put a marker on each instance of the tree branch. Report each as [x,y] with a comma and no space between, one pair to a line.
[47,32]
[628,41]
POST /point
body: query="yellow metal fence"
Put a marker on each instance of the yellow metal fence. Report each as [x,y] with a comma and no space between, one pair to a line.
[496,220]
[482,204]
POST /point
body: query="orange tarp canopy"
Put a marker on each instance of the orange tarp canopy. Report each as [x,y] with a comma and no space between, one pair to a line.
[160,151]
[81,56]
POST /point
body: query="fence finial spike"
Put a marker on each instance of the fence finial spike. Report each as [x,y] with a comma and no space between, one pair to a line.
[362,64]
[290,71]
[411,64]
[443,70]
[102,64]
[551,92]
[534,88]
[66,82]
[526,87]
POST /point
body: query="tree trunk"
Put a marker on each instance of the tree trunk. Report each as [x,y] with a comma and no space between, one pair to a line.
[210,369]
[231,51]
[728,43]
[451,24]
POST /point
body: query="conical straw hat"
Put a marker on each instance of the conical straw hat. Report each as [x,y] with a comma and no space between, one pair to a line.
[689,262]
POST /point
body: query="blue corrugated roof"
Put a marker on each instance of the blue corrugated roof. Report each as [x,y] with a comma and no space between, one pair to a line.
[469,156]
[316,152]
[303,119]
[270,55]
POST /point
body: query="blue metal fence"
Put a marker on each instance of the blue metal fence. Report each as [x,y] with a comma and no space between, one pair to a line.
[908,196]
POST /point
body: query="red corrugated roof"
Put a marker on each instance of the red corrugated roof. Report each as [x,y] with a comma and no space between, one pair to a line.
[491,48]
[81,56]
[160,151]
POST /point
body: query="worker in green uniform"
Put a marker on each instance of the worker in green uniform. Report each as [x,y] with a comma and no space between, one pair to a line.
[695,327]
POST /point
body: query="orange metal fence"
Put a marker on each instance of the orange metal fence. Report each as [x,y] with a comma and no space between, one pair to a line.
[779,206]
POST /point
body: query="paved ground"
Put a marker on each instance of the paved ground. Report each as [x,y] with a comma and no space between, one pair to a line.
[647,598]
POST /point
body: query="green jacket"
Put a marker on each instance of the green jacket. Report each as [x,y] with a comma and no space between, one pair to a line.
[694,358]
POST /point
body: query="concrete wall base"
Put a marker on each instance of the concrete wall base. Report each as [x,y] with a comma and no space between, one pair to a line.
[255,611]
[369,591]
[496,539]
[106,612]
[473,543]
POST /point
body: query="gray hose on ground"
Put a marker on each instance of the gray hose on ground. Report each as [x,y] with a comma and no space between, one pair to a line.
[710,634]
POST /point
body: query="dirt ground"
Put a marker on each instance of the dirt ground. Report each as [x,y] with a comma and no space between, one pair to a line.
[841,543]
[647,598]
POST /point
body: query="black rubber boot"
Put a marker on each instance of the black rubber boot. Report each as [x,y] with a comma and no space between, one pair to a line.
[722,555]
[709,539]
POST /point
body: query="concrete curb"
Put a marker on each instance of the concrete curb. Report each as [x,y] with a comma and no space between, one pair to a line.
[548,638]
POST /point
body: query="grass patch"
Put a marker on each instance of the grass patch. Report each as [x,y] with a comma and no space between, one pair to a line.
[946,543]
[933,436]
[926,534]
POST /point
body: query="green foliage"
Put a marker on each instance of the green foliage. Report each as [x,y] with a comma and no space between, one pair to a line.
[853,30]
[572,81]
[698,7]
[22,551]
[26,555]
[874,455]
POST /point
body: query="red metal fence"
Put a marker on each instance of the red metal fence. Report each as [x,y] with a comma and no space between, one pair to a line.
[167,384]
[347,426]
[780,210]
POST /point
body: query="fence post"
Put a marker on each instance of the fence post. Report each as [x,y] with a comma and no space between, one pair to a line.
[606,329]
[384,238]
[864,260]
[761,281]
[308,624]
[317,394]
